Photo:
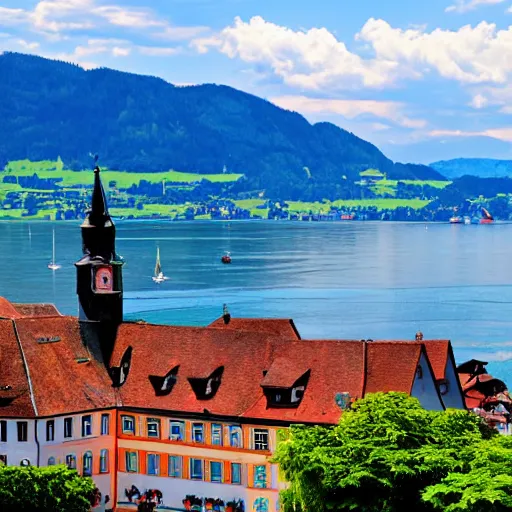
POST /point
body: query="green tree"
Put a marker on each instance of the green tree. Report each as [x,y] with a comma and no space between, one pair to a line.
[389,454]
[49,489]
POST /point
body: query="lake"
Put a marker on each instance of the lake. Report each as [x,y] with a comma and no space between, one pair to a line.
[350,280]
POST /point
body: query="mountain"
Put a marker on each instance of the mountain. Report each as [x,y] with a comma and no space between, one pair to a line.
[51,108]
[482,167]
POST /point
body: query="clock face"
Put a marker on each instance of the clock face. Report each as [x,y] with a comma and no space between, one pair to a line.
[103,279]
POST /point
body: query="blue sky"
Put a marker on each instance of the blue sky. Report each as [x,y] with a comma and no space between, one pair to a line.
[422,80]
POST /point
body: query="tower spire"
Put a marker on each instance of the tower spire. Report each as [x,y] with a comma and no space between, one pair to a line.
[99,277]
[99,209]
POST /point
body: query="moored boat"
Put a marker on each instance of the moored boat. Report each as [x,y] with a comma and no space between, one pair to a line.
[159,276]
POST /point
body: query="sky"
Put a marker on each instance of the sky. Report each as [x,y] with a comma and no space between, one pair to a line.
[424,81]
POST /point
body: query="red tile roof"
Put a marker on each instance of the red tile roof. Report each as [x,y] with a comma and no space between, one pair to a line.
[438,352]
[32,310]
[157,349]
[66,378]
[336,367]
[391,366]
[276,326]
[284,372]
[7,310]
[13,379]
[14,311]
[62,384]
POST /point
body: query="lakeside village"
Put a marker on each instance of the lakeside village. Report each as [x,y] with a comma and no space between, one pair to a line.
[196,427]
[46,191]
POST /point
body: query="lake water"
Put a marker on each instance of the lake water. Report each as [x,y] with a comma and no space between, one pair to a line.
[349,280]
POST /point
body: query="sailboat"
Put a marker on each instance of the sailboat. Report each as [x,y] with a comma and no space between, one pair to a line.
[53,265]
[159,275]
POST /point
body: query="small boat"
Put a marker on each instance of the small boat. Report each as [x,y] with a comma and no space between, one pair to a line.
[226,259]
[53,265]
[159,276]
[487,217]
[467,220]
[456,220]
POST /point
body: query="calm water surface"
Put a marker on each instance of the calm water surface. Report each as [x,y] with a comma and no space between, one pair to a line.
[343,280]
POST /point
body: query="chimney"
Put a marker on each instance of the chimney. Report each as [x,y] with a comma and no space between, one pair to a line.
[225,315]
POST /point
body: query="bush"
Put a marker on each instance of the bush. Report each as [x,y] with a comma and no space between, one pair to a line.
[49,489]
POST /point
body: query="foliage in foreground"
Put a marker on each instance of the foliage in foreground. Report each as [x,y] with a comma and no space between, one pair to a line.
[388,454]
[49,489]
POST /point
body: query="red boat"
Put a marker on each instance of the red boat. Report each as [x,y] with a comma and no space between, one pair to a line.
[226,259]
[488,218]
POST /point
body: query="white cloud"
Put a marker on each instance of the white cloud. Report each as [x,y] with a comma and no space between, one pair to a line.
[315,59]
[156,51]
[27,45]
[130,18]
[12,16]
[54,16]
[504,134]
[468,55]
[478,101]
[469,5]
[390,110]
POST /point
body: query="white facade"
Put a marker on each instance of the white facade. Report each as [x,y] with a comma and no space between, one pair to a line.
[452,398]
[424,387]
[16,450]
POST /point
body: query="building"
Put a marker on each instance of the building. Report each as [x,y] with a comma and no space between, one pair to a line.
[486,395]
[181,411]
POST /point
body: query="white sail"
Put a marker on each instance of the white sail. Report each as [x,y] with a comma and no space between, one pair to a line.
[53,265]
[159,274]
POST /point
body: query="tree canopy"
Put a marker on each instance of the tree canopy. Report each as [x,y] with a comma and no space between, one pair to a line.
[388,454]
[48,489]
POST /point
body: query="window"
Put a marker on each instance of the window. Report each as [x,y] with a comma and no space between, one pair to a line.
[196,469]
[87,464]
[216,434]
[261,505]
[50,430]
[128,425]
[131,462]
[235,436]
[419,372]
[177,431]
[71,461]
[105,424]
[86,425]
[197,432]
[68,427]
[260,477]
[216,471]
[51,461]
[443,387]
[236,473]
[3,431]
[175,465]
[260,439]
[104,461]
[22,431]
[153,464]
[153,427]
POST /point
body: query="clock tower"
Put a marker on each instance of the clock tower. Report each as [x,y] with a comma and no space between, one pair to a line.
[99,277]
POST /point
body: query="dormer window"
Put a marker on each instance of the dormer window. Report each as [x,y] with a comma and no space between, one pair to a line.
[120,373]
[164,385]
[206,387]
[283,385]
